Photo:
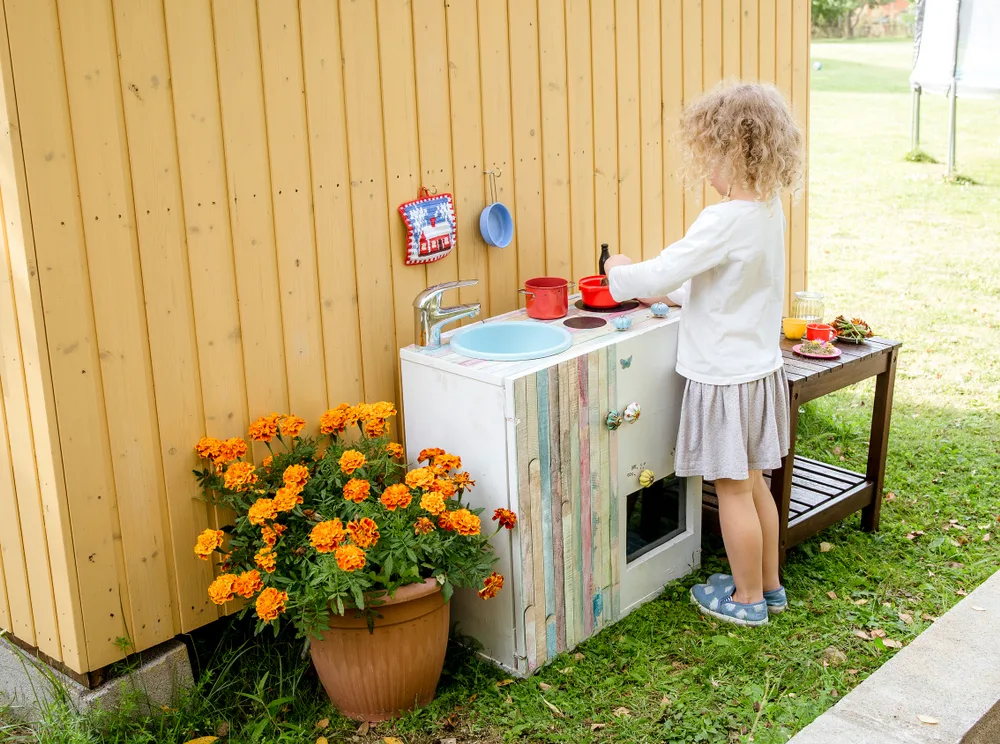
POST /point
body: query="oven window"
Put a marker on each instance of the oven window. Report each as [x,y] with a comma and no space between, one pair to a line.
[654,516]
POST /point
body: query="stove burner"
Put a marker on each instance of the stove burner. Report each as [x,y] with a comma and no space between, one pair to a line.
[585,322]
[621,307]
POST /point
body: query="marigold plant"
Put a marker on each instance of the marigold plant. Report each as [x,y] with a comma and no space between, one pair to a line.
[335,522]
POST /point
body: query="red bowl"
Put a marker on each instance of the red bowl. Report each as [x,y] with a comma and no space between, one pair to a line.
[596,294]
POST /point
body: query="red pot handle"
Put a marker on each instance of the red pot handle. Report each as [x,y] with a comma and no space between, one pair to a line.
[526,292]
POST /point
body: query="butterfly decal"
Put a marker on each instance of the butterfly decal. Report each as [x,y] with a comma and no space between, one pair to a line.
[626,363]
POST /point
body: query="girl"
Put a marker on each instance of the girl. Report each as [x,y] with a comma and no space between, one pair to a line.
[728,274]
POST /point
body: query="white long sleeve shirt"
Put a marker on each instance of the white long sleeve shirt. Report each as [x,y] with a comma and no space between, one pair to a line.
[728,274]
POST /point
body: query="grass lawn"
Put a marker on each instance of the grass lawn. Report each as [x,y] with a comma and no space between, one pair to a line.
[890,241]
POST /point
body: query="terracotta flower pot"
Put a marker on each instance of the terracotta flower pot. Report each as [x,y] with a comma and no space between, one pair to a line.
[377,676]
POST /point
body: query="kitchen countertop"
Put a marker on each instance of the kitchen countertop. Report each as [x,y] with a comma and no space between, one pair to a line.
[585,340]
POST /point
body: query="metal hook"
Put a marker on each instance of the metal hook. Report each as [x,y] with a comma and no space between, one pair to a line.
[493,174]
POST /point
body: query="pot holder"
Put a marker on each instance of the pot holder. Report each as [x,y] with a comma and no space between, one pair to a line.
[431,232]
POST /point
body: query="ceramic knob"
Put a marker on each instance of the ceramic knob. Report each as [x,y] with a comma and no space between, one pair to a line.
[632,413]
[614,420]
[623,322]
[646,478]
[660,309]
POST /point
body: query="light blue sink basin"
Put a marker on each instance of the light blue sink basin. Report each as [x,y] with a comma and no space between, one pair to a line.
[511,342]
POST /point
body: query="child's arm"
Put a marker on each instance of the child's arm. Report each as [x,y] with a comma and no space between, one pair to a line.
[703,248]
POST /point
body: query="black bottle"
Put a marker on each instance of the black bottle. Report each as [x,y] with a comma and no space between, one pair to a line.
[604,257]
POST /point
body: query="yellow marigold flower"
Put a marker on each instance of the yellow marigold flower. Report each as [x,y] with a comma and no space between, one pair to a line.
[382,410]
[267,462]
[264,428]
[463,481]
[248,583]
[270,604]
[448,462]
[266,560]
[396,497]
[492,585]
[351,460]
[375,427]
[357,490]
[445,522]
[207,448]
[364,532]
[292,426]
[395,450]
[423,526]
[429,454]
[232,449]
[296,475]
[350,558]
[263,510]
[327,536]
[466,523]
[432,502]
[240,476]
[208,542]
[445,487]
[506,518]
[220,591]
[334,421]
[286,498]
[420,478]
[270,535]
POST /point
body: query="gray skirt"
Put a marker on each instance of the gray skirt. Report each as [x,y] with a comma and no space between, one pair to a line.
[728,430]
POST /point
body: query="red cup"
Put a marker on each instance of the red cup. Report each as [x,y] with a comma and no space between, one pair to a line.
[820,332]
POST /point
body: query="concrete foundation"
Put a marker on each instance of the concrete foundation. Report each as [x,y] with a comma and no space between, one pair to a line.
[29,687]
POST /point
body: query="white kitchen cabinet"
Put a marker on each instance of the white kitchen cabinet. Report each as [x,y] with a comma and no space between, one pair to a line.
[591,543]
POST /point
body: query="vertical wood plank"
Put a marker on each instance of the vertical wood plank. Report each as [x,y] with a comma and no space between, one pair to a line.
[604,487]
[783,79]
[611,360]
[495,82]
[586,498]
[602,35]
[526,122]
[291,199]
[651,112]
[331,194]
[580,91]
[765,29]
[672,86]
[751,41]
[597,525]
[574,502]
[526,535]
[732,39]
[557,619]
[694,198]
[800,102]
[712,62]
[366,156]
[249,189]
[536,476]
[570,568]
[630,164]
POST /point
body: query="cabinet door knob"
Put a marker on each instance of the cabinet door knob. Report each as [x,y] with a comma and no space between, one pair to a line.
[613,420]
[632,413]
[646,478]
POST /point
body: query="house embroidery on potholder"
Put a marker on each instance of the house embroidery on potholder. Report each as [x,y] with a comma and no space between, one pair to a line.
[431,232]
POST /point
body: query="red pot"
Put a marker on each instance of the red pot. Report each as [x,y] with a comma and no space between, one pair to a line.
[547,297]
[595,293]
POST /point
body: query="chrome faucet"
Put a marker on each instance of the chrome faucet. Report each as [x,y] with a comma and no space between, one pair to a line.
[429,317]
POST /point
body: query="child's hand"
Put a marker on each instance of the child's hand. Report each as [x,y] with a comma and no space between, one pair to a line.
[616,260]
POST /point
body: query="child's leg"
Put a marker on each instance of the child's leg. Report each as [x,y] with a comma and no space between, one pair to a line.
[767,515]
[741,532]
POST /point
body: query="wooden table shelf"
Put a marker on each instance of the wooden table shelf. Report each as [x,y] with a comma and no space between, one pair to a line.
[812,495]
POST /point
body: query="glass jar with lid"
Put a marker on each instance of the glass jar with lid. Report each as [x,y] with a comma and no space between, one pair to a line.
[808,306]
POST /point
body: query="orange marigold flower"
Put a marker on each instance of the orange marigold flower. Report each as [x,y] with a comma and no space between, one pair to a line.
[248,583]
[240,476]
[263,510]
[270,604]
[232,449]
[334,421]
[423,526]
[395,450]
[327,536]
[397,496]
[491,586]
[287,498]
[267,462]
[446,523]
[364,532]
[292,426]
[266,560]
[446,488]
[226,564]
[351,460]
[466,523]
[429,454]
[463,481]
[270,535]
[264,428]
[296,475]
[420,478]
[220,591]
[208,541]
[357,490]
[207,448]
[375,427]
[432,502]
[350,558]
[506,518]
[354,414]
[448,462]
[382,410]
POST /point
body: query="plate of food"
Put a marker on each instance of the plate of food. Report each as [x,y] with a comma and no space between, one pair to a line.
[817,350]
[854,331]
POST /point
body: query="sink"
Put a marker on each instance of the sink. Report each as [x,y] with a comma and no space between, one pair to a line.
[511,341]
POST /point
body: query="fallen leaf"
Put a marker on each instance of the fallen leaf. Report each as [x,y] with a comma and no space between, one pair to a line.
[891,643]
[955,543]
[860,602]
[928,720]
[878,633]
[715,683]
[852,672]
[961,592]
[392,740]
[567,670]
[578,656]
[322,740]
[324,724]
[203,740]
[906,618]
[622,712]
[987,537]
[665,702]
[832,595]
[862,635]
[978,609]
[825,547]
[928,618]
[509,700]
[505,682]
[223,729]
[555,711]
[890,496]
[834,656]
[544,686]
[364,728]
[598,726]
[450,740]
[473,698]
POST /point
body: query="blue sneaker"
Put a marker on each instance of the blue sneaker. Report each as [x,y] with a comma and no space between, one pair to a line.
[777,600]
[712,600]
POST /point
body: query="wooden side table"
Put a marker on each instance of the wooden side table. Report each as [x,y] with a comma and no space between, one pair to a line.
[811,495]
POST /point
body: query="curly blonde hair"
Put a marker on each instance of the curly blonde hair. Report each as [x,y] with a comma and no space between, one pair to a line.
[748,133]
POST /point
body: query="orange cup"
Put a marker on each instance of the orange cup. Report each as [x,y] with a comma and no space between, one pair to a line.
[820,332]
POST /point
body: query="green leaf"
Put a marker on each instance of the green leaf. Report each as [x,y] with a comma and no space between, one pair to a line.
[447,590]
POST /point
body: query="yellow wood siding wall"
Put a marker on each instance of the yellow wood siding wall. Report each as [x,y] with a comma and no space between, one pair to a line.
[199,210]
